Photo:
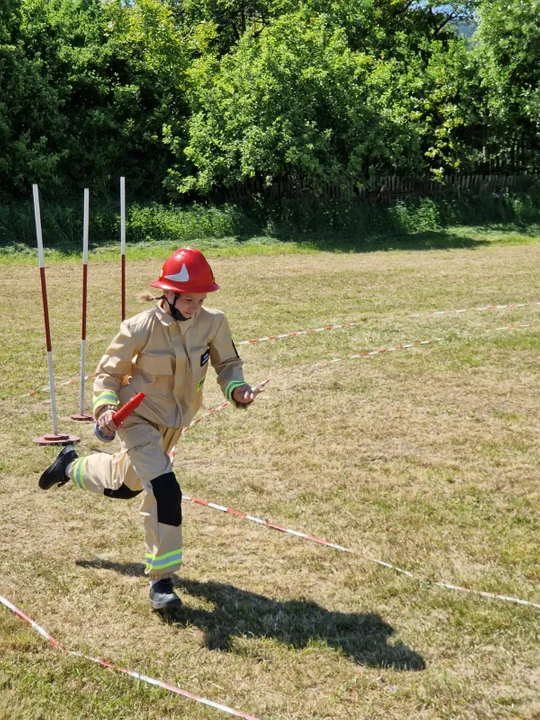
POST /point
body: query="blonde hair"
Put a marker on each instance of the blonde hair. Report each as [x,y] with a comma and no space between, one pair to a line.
[147,296]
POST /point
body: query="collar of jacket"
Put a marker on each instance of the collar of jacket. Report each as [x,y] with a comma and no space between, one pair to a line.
[163,316]
[166,318]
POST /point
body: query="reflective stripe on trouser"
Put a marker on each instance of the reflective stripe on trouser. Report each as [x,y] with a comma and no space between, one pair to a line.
[163,562]
[76,472]
[143,457]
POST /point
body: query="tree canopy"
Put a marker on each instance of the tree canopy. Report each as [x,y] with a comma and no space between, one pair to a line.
[189,96]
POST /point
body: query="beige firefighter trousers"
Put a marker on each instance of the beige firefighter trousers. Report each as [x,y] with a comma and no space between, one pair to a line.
[144,455]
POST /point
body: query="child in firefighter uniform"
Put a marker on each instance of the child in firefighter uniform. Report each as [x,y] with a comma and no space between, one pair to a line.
[164,353]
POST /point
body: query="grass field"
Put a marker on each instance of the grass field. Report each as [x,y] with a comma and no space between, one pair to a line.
[427,458]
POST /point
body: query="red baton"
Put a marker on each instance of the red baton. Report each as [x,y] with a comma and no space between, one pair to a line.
[120,416]
[128,408]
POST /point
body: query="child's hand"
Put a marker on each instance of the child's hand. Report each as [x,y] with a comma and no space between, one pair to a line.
[244,395]
[106,423]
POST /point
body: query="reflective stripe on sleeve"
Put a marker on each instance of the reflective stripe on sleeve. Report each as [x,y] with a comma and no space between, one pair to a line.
[108,397]
[231,388]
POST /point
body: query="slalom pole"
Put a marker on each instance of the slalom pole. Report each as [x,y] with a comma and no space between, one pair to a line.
[82,416]
[123,242]
[55,438]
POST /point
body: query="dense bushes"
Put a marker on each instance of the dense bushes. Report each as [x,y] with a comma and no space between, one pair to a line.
[284,218]
[198,95]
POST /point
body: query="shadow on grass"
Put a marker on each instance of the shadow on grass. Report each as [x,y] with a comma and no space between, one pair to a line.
[363,637]
[329,242]
[427,240]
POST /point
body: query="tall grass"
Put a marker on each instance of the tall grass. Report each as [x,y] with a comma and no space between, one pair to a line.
[282,218]
[62,224]
[404,216]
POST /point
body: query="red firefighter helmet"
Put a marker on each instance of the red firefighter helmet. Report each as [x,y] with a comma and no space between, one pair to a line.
[186,270]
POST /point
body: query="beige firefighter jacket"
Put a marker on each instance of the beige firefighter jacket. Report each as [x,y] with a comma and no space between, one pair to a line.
[167,361]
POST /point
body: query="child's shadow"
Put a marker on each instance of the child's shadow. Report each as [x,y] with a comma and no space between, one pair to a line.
[296,623]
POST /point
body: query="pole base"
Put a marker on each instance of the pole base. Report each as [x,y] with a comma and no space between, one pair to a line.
[56,439]
[82,418]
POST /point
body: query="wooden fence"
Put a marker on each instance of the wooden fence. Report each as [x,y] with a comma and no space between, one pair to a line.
[385,190]
[388,189]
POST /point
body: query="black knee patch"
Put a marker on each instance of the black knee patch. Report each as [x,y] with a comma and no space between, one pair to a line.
[123,493]
[169,499]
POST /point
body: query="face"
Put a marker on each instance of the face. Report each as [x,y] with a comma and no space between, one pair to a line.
[188,303]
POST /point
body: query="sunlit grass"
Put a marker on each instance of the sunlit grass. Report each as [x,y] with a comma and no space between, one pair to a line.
[426,458]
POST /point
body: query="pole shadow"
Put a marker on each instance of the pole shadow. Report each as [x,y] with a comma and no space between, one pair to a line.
[363,637]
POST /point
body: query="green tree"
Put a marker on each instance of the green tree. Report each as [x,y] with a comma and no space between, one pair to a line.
[384,27]
[231,19]
[509,55]
[442,97]
[31,123]
[86,87]
[294,102]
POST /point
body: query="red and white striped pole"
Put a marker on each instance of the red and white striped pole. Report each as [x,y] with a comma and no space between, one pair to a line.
[55,438]
[123,242]
[82,416]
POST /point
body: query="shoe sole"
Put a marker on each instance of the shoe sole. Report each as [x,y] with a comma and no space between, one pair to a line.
[166,604]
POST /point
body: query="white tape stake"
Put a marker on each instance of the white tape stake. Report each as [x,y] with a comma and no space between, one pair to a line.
[118,668]
[37,215]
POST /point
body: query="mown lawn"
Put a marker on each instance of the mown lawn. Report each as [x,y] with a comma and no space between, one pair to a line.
[426,458]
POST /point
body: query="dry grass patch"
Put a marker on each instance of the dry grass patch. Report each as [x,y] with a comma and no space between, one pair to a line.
[427,458]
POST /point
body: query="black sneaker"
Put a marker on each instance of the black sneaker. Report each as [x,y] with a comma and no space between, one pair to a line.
[55,474]
[162,595]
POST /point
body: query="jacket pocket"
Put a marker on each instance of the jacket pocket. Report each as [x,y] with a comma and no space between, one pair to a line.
[155,364]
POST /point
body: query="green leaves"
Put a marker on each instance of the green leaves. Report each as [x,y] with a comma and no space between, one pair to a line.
[86,87]
[508,52]
[194,95]
[293,101]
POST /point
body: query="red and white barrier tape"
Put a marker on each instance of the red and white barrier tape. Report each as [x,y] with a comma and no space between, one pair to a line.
[380,351]
[131,673]
[242,342]
[257,388]
[371,353]
[324,362]
[321,541]
[435,313]
[518,327]
[321,363]
[296,333]
[31,393]
[510,306]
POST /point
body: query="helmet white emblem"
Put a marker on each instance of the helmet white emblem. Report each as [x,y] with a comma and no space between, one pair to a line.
[182,276]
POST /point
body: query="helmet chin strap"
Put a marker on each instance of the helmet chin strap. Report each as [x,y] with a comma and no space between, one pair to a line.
[175,312]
